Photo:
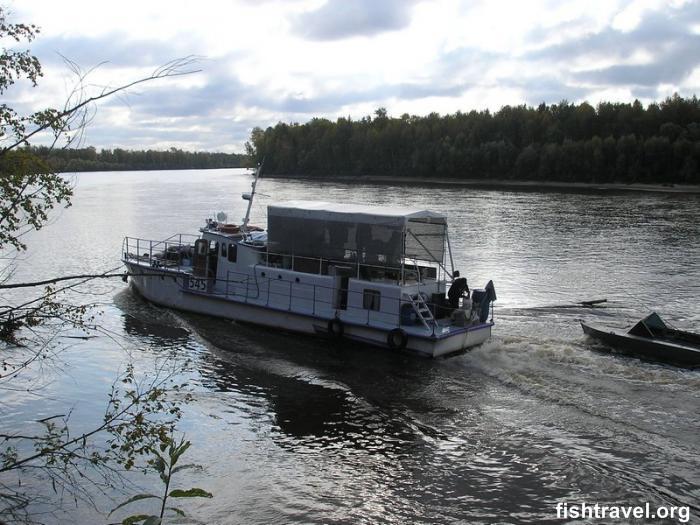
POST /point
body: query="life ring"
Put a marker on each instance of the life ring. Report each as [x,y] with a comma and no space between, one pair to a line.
[397,339]
[336,328]
[228,228]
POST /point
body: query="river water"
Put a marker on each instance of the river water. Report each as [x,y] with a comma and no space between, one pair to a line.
[293,429]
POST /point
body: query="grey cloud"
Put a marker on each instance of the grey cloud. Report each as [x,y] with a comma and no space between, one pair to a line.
[656,28]
[116,49]
[462,65]
[666,35]
[670,65]
[338,19]
[221,89]
[325,103]
[434,89]
[465,63]
[218,134]
[642,92]
[171,101]
[332,102]
[549,90]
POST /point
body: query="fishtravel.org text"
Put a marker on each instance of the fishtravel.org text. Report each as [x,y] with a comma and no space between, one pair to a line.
[569,511]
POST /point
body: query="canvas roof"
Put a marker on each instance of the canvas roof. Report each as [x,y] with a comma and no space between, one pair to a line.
[355,213]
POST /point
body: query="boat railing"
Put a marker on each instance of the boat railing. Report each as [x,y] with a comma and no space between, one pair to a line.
[318,299]
[159,253]
[412,270]
[175,252]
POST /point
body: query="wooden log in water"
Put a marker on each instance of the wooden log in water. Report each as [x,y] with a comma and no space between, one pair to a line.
[593,303]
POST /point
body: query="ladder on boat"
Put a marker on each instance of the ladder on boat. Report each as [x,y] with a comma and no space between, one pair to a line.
[422,310]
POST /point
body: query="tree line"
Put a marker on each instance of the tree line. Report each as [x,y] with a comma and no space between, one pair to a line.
[565,142]
[90,159]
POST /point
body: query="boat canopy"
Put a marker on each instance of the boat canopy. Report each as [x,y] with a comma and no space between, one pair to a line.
[368,234]
[647,326]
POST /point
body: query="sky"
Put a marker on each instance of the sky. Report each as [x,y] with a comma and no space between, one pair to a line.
[265,61]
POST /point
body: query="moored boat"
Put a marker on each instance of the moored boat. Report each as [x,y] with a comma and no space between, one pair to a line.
[378,275]
[651,339]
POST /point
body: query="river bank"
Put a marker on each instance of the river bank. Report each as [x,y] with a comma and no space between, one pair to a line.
[498,183]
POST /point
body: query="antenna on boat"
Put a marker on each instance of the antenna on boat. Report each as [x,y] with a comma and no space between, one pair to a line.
[250,196]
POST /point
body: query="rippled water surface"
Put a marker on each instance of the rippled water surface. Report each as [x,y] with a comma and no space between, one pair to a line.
[294,429]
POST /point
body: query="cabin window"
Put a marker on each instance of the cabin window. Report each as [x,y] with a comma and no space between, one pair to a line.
[232,252]
[223,249]
[370,299]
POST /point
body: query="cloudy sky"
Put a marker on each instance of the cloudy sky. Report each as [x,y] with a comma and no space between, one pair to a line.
[264,61]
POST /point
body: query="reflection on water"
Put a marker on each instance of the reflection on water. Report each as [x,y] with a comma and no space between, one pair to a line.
[300,429]
[148,322]
[501,433]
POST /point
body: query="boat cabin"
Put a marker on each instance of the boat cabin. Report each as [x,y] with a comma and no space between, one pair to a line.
[375,274]
[329,256]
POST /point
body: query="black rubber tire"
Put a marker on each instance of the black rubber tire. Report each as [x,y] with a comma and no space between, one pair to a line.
[336,328]
[397,339]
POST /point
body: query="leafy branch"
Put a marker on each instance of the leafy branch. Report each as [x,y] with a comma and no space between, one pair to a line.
[138,421]
[166,467]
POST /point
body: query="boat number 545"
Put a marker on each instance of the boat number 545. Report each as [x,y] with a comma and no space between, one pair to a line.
[197,284]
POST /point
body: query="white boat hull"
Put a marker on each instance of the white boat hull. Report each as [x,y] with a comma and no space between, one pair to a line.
[165,287]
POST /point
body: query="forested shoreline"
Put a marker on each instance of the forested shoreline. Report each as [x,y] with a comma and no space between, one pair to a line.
[89,159]
[609,143]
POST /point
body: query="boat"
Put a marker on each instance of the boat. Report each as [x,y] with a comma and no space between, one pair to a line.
[377,275]
[651,338]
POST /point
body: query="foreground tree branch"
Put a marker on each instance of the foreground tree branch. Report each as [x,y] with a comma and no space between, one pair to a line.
[141,415]
[138,422]
[55,280]
[56,120]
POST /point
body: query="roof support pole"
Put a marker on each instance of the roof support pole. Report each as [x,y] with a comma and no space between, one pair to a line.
[449,250]
[429,253]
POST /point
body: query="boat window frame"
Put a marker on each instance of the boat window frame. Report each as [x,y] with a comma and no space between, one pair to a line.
[372,299]
[201,247]
[232,252]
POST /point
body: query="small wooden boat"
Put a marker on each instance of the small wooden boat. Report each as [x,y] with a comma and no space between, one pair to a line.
[651,339]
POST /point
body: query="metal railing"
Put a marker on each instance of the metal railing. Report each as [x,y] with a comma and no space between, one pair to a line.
[316,299]
[169,252]
[411,269]
[172,251]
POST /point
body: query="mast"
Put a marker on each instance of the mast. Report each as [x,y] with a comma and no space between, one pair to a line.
[250,196]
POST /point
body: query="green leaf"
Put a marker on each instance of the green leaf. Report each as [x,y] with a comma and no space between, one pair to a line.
[179,451]
[177,511]
[135,519]
[152,520]
[132,499]
[191,493]
[159,464]
[187,466]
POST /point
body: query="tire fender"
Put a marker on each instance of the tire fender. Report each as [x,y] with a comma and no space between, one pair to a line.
[397,339]
[336,328]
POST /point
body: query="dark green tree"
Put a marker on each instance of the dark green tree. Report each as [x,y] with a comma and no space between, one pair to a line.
[614,142]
